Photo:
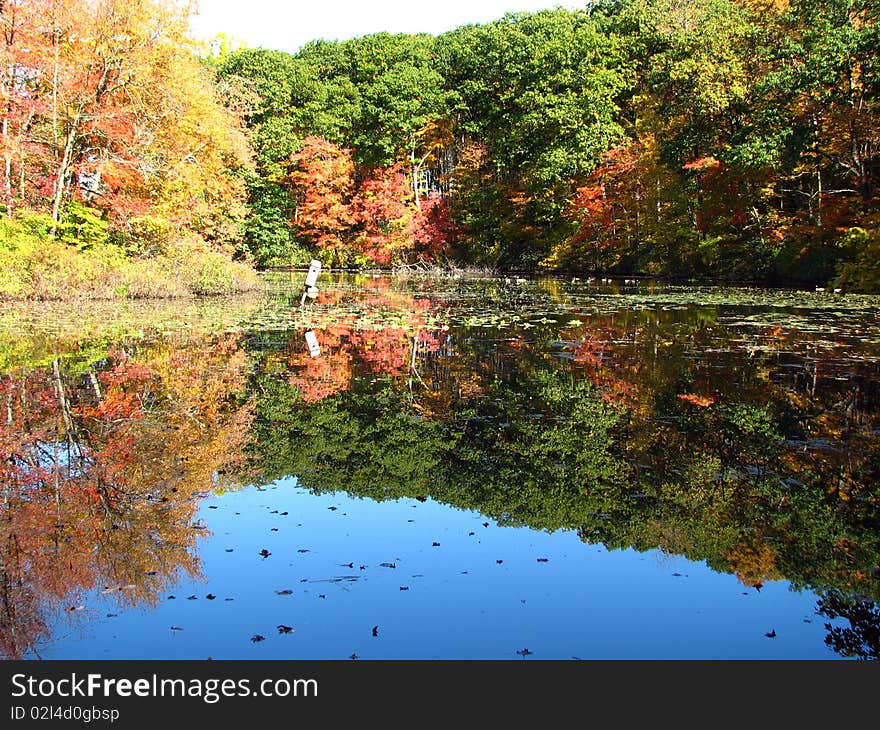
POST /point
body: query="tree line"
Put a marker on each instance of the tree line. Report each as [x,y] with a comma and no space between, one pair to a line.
[726,139]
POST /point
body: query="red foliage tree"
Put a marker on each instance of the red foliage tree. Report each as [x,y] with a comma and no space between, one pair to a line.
[601,209]
[432,229]
[383,210]
[370,221]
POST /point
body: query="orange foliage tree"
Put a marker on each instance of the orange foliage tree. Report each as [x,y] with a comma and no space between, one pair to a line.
[322,181]
[383,209]
[105,101]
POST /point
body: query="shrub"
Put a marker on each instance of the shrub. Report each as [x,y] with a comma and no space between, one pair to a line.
[34,265]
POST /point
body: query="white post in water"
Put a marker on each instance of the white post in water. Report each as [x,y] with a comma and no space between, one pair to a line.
[311,289]
[312,276]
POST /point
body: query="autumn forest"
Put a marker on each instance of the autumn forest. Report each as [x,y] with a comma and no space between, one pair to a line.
[721,140]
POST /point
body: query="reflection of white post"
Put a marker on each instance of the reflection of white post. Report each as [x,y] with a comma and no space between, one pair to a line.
[311,289]
[312,342]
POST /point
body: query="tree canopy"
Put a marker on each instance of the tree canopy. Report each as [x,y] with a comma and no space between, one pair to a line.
[723,139]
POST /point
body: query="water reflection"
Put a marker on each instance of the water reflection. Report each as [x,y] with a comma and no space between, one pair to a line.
[102,470]
[706,432]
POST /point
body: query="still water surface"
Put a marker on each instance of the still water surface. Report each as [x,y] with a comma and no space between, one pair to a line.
[468,469]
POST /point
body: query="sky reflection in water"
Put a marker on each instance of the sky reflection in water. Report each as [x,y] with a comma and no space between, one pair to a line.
[584,602]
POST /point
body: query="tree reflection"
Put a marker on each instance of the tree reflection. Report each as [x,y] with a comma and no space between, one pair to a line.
[861,638]
[102,470]
[754,452]
[377,337]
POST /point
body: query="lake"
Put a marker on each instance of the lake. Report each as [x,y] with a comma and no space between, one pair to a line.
[453,468]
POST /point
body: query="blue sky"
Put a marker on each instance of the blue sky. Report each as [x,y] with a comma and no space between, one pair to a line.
[288,25]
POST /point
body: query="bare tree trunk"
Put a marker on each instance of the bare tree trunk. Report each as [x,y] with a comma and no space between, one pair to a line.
[64,171]
[96,387]
[818,174]
[7,164]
